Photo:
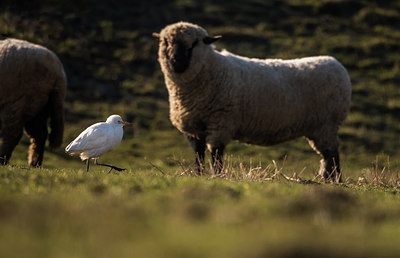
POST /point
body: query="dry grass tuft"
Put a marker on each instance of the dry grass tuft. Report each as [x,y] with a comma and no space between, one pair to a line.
[247,171]
[380,174]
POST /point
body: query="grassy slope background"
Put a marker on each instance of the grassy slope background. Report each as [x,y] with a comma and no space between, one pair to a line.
[110,59]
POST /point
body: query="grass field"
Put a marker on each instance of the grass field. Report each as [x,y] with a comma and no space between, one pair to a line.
[158,208]
[269,202]
[148,213]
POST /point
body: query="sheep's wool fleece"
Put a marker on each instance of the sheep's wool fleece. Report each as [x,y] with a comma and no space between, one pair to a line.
[28,74]
[223,96]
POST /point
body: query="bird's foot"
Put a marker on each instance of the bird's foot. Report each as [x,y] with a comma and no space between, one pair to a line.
[110,166]
[116,168]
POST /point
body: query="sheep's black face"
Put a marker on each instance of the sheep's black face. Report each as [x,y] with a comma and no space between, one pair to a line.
[179,55]
[177,43]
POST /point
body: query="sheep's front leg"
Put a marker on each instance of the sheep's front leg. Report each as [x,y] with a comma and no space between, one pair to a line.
[11,137]
[217,153]
[199,147]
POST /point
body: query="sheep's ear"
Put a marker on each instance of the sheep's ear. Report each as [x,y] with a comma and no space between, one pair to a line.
[208,40]
[156,35]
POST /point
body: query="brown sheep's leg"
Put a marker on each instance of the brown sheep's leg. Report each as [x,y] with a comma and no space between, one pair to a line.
[37,131]
[330,164]
[217,153]
[199,147]
[11,137]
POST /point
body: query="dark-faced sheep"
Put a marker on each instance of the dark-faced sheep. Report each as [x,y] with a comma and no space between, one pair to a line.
[216,97]
[32,89]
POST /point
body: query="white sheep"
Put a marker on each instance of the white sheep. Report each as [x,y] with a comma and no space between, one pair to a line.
[216,97]
[32,89]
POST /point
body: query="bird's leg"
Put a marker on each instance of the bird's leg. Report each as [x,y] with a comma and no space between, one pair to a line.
[110,166]
[87,165]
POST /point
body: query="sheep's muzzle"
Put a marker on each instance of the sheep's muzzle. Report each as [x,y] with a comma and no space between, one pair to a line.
[179,57]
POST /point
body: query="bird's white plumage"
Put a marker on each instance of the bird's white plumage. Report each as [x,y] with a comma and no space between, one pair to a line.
[97,139]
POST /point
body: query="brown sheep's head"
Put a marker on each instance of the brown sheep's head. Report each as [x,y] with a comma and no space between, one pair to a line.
[178,43]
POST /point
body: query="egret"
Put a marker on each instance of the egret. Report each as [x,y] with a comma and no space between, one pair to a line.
[97,139]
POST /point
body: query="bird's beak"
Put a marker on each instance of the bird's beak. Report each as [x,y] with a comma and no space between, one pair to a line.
[126,123]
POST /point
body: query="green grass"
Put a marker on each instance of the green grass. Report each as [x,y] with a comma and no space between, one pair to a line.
[71,213]
[260,207]
[269,203]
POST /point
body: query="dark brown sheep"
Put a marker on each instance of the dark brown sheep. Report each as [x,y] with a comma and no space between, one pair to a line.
[32,89]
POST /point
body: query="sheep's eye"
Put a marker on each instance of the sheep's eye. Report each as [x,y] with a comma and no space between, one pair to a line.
[194,44]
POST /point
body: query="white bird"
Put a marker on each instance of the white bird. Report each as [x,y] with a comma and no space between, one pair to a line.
[97,139]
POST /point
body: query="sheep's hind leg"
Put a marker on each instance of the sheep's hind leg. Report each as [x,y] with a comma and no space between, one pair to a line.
[37,131]
[330,164]
[199,147]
